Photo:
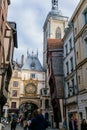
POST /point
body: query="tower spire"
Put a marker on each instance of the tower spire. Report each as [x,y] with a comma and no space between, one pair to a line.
[55,5]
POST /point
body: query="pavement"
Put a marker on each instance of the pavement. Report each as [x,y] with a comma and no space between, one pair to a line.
[21,128]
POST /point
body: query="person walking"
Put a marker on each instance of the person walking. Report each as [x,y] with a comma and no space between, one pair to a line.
[25,124]
[29,121]
[83,125]
[72,124]
[38,122]
[65,124]
[13,124]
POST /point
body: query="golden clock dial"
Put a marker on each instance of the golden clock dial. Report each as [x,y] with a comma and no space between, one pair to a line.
[30,88]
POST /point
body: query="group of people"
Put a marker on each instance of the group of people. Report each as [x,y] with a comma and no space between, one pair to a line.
[36,122]
[73,124]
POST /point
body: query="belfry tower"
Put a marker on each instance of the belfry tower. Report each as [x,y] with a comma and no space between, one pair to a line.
[53,29]
[55,23]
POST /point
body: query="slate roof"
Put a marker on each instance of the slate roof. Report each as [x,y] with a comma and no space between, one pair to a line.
[32,63]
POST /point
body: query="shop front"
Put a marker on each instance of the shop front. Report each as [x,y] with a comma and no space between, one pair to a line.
[82,104]
[72,110]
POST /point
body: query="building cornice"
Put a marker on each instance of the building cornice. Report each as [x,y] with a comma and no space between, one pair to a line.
[81,32]
[77,9]
[81,63]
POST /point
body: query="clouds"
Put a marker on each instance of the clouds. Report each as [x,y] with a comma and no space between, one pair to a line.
[30,16]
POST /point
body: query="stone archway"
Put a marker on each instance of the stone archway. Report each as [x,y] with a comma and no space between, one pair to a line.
[27,108]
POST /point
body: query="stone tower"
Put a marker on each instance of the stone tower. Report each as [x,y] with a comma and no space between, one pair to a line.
[53,28]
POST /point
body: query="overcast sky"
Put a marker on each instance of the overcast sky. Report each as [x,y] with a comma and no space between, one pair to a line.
[30,16]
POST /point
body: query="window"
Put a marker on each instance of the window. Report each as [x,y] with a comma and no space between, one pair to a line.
[14,93]
[13,105]
[68,88]
[45,91]
[58,33]
[73,85]
[66,49]
[85,15]
[15,84]
[70,43]
[79,79]
[86,112]
[86,74]
[85,47]
[46,103]
[77,54]
[67,67]
[32,76]
[15,74]
[71,61]
[32,65]
[75,31]
[40,103]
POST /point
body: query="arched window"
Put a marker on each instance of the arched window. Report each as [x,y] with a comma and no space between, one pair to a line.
[58,32]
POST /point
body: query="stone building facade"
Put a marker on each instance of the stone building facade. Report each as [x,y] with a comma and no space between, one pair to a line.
[70,75]
[79,20]
[27,90]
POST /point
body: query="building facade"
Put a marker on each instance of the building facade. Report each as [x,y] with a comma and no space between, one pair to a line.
[70,75]
[8,40]
[27,89]
[79,20]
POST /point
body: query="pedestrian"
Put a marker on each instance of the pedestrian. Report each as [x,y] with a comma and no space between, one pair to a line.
[25,124]
[83,125]
[64,124]
[13,124]
[72,124]
[38,122]
[29,121]
[76,122]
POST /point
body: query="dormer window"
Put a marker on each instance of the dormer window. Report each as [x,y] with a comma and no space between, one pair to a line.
[32,65]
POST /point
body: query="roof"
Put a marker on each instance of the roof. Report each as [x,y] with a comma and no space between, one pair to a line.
[32,63]
[55,44]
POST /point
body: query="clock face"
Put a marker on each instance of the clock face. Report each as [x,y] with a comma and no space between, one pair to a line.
[30,88]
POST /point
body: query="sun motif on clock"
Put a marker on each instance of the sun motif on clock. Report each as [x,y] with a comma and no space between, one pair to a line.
[30,88]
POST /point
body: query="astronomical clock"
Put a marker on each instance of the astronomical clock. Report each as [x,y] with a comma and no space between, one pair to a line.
[30,86]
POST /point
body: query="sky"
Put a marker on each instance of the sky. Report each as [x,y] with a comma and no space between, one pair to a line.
[30,16]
